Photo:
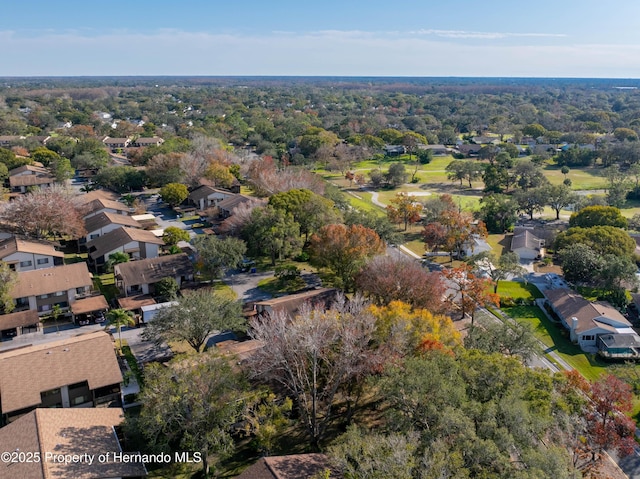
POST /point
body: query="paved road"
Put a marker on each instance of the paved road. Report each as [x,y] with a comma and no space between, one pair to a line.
[245,285]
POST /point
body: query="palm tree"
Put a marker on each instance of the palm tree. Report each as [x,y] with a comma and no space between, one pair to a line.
[116,258]
[119,318]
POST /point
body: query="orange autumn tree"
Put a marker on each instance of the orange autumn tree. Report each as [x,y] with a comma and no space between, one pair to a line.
[405,330]
[404,208]
[451,230]
[468,291]
[344,249]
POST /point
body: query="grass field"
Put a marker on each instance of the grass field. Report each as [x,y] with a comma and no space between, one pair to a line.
[581,178]
[361,200]
[518,290]
[554,336]
[499,243]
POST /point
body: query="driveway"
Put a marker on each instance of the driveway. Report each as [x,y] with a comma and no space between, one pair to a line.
[245,285]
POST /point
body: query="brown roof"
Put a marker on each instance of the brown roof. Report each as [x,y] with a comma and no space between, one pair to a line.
[87,357]
[32,168]
[298,466]
[68,432]
[149,271]
[97,195]
[115,239]
[21,318]
[31,180]
[22,435]
[229,204]
[136,302]
[115,141]
[15,245]
[525,239]
[10,138]
[572,305]
[205,191]
[101,204]
[89,305]
[105,218]
[51,280]
[149,140]
[292,302]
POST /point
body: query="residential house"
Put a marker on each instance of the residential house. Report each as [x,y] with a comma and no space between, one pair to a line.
[297,466]
[77,372]
[225,207]
[394,150]
[234,188]
[26,255]
[469,150]
[23,178]
[115,144]
[526,245]
[475,245]
[588,321]
[486,140]
[437,150]
[137,243]
[143,142]
[105,222]
[138,277]
[72,433]
[206,196]
[99,205]
[543,149]
[7,141]
[292,303]
[41,289]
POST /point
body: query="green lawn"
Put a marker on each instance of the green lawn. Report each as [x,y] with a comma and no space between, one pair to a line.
[106,284]
[499,243]
[555,337]
[276,285]
[433,172]
[70,258]
[518,290]
[363,202]
[581,178]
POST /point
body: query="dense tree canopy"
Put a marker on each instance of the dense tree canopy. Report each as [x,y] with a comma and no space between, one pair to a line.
[601,239]
[196,315]
[598,216]
[344,249]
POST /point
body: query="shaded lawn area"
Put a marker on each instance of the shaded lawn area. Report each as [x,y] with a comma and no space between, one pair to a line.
[71,258]
[106,283]
[519,290]
[556,338]
[499,243]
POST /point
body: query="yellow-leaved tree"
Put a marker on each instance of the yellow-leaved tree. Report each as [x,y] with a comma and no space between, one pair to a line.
[406,330]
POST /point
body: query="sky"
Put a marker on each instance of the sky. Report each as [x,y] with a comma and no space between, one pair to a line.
[497,38]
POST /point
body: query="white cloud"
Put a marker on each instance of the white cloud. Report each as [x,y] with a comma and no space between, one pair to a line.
[485,35]
[349,53]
